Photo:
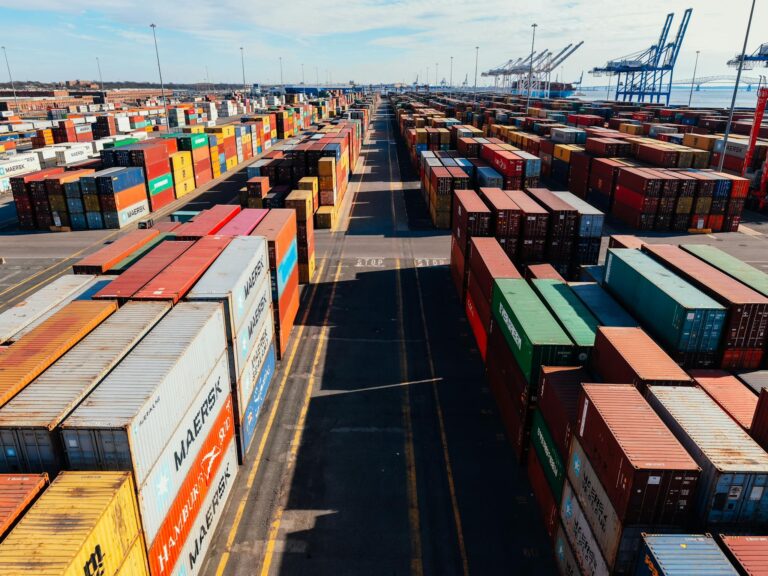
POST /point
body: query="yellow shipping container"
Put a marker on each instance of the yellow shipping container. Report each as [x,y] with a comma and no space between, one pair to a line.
[325,218]
[84,523]
[563,152]
[135,563]
[181,160]
[308,183]
[231,163]
[634,129]
[701,141]
[184,187]
[301,201]
[307,271]
[326,167]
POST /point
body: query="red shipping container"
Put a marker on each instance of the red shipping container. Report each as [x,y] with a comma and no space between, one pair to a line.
[244,223]
[471,217]
[207,222]
[103,259]
[648,475]
[17,493]
[505,214]
[137,276]
[458,268]
[285,312]
[543,494]
[534,219]
[736,399]
[625,241]
[279,228]
[478,326]
[489,262]
[162,199]
[542,272]
[748,553]
[629,356]
[563,217]
[176,280]
[759,427]
[502,366]
[558,402]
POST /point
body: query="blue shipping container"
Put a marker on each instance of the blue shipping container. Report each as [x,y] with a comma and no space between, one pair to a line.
[682,555]
[487,177]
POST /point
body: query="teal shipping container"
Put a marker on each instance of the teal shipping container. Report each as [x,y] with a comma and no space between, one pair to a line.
[684,320]
[602,305]
[531,332]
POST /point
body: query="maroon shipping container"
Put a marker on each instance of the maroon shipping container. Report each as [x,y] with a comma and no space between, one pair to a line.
[645,182]
[747,320]
[175,281]
[603,175]
[534,220]
[458,269]
[748,553]
[657,155]
[630,356]
[488,262]
[558,402]
[759,428]
[505,214]
[542,272]
[738,401]
[471,217]
[578,180]
[503,375]
[136,277]
[563,218]
[648,475]
[441,181]
[543,494]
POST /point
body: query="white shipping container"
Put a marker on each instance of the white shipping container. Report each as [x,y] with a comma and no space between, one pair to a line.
[576,527]
[72,155]
[29,423]
[83,293]
[246,382]
[19,164]
[234,278]
[123,123]
[198,542]
[37,304]
[159,489]
[127,421]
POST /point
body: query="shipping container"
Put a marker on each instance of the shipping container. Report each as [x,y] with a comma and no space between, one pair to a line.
[24,313]
[558,401]
[736,399]
[577,530]
[17,494]
[174,281]
[548,505]
[551,461]
[735,268]
[29,436]
[542,272]
[564,557]
[137,276]
[602,305]
[630,356]
[259,370]
[756,380]
[688,322]
[101,261]
[244,223]
[573,316]
[734,478]
[207,222]
[37,350]
[646,472]
[84,523]
[590,220]
[129,434]
[682,555]
[471,217]
[531,332]
[749,554]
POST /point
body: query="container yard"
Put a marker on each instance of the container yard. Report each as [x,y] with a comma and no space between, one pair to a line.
[422,329]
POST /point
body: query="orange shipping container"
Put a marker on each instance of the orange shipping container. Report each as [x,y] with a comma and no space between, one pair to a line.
[17,493]
[102,260]
[41,347]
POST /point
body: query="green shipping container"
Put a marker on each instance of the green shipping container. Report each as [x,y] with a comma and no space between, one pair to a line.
[573,316]
[160,184]
[137,255]
[683,318]
[531,332]
[119,143]
[735,268]
[551,460]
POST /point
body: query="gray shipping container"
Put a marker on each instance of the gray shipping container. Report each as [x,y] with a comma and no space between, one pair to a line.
[584,546]
[127,421]
[29,436]
[756,380]
[733,487]
[564,558]
[591,220]
[37,304]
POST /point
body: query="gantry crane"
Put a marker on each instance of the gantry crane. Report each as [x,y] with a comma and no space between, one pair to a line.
[759,58]
[646,76]
[537,68]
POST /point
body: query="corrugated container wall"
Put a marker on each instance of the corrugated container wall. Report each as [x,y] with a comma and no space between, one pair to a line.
[17,493]
[748,553]
[683,555]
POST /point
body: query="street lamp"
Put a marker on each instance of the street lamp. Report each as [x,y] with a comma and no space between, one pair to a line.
[160,72]
[530,69]
[736,89]
[13,86]
[101,80]
[242,63]
[477,53]
[696,64]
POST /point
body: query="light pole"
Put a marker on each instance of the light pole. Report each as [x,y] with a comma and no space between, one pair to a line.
[736,89]
[160,72]
[696,65]
[242,63]
[477,54]
[530,69]
[101,80]
[450,91]
[13,86]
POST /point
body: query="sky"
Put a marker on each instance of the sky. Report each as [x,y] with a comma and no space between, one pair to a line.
[351,40]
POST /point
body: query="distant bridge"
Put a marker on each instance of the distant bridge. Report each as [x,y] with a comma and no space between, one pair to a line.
[749,81]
